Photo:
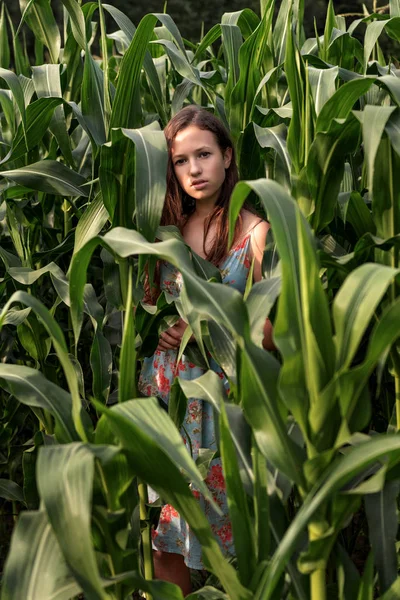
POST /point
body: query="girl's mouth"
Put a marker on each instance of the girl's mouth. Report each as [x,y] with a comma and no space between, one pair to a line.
[199,185]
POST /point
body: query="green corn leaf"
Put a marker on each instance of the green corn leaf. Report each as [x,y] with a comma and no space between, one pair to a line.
[275,137]
[339,474]
[260,398]
[101,364]
[91,222]
[126,111]
[340,104]
[16,317]
[259,302]
[150,176]
[237,503]
[232,41]
[352,382]
[211,36]
[155,448]
[39,16]
[33,389]
[22,66]
[11,490]
[374,30]
[386,194]
[65,483]
[381,511]
[38,117]
[49,176]
[47,82]
[282,26]
[127,377]
[4,45]
[255,52]
[15,86]
[325,167]
[296,76]
[330,24]
[392,84]
[129,29]
[393,592]
[374,119]
[23,572]
[302,329]
[366,589]
[55,332]
[261,504]
[77,21]
[92,99]
[221,303]
[394,8]
[322,83]
[354,306]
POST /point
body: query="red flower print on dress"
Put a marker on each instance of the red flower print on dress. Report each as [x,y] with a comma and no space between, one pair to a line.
[194,411]
[196,494]
[164,384]
[215,478]
[168,513]
[225,533]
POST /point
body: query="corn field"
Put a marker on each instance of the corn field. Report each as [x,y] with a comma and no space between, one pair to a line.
[308,435]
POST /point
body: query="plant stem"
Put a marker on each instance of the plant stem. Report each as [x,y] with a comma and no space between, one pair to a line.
[148,566]
[317,577]
[317,581]
[397,396]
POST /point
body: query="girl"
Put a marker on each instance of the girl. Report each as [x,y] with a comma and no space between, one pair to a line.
[201,175]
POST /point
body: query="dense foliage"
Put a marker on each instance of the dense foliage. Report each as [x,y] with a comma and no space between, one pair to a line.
[307,437]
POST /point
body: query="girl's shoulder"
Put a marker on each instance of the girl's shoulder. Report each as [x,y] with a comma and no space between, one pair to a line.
[253,224]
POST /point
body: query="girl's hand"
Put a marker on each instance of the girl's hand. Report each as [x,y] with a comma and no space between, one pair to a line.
[170,339]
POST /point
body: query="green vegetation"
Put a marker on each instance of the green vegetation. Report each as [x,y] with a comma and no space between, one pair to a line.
[308,437]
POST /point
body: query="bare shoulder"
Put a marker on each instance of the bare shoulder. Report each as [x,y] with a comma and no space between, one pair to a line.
[256,227]
[250,221]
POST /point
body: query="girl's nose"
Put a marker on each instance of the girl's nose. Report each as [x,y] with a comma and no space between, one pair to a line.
[195,167]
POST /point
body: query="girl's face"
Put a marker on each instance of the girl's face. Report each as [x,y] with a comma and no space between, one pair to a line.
[199,163]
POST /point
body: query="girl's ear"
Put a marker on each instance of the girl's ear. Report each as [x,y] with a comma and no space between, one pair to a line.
[227,158]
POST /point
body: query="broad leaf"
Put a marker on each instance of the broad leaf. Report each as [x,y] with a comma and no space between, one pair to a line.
[49,176]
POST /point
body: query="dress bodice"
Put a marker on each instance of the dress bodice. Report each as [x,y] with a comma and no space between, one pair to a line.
[234,270]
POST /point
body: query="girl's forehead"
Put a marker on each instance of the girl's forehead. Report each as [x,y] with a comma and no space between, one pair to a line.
[191,138]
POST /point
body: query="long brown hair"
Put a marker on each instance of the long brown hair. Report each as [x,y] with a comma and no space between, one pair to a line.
[178,205]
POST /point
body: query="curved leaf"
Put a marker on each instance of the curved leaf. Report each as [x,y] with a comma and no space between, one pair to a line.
[380,447]
[354,305]
[49,176]
[32,388]
[11,490]
[23,577]
[65,482]
[136,422]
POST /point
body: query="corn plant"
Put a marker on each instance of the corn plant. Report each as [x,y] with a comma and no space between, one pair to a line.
[307,436]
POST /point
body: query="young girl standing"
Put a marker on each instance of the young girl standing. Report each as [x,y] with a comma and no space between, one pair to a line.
[201,175]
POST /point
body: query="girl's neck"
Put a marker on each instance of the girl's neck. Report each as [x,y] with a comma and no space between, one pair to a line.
[203,209]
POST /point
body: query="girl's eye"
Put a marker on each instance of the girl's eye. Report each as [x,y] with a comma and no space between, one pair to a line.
[180,161]
[204,154]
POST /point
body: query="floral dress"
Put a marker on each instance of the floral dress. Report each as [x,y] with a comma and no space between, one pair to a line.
[157,375]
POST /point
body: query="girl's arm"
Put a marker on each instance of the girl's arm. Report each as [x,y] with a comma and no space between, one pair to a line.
[257,246]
